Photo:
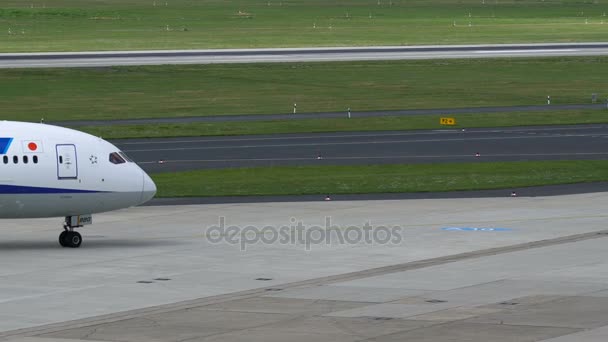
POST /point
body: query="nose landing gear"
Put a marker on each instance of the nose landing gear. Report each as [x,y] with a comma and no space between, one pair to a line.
[70,238]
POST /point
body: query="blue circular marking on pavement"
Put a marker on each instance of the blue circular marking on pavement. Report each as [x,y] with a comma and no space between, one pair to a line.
[470,229]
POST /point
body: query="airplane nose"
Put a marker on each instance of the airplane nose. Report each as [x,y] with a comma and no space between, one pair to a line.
[148,190]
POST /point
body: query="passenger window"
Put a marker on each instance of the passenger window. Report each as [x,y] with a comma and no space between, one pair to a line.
[5,159]
[15,159]
[35,159]
[25,159]
[115,158]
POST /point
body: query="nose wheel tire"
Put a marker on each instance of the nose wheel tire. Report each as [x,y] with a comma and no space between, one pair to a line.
[70,239]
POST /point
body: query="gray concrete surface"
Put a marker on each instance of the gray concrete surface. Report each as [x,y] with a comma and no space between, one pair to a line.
[356,148]
[108,58]
[543,276]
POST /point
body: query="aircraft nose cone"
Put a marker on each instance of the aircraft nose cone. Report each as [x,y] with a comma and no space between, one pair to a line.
[148,190]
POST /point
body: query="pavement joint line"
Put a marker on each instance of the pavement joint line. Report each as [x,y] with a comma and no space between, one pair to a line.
[258,292]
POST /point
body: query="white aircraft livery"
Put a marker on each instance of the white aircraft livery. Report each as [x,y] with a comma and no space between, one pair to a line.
[51,171]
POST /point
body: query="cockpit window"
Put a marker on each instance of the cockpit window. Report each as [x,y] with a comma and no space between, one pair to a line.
[126,157]
[115,158]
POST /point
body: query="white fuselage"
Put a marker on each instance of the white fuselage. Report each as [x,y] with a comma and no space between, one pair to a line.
[50,171]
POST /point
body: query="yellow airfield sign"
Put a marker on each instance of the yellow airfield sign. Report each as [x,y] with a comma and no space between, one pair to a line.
[447,121]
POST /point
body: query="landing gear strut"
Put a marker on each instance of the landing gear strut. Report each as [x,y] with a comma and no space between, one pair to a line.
[70,238]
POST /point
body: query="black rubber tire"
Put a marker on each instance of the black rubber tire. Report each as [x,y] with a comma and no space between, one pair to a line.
[62,238]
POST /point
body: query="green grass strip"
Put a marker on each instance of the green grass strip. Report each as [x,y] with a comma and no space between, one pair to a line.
[201,90]
[376,178]
[347,125]
[74,25]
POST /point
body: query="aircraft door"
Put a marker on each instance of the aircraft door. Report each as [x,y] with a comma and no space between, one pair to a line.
[67,163]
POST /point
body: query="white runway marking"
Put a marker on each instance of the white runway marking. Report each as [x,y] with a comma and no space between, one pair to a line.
[527,51]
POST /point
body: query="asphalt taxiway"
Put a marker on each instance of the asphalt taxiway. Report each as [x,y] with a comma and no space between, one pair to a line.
[493,269]
[357,148]
[158,57]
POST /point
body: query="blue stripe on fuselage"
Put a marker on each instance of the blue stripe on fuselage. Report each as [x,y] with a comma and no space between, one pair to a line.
[5,143]
[19,189]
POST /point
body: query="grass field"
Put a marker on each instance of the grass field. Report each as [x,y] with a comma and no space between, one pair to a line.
[69,25]
[198,90]
[346,125]
[377,178]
